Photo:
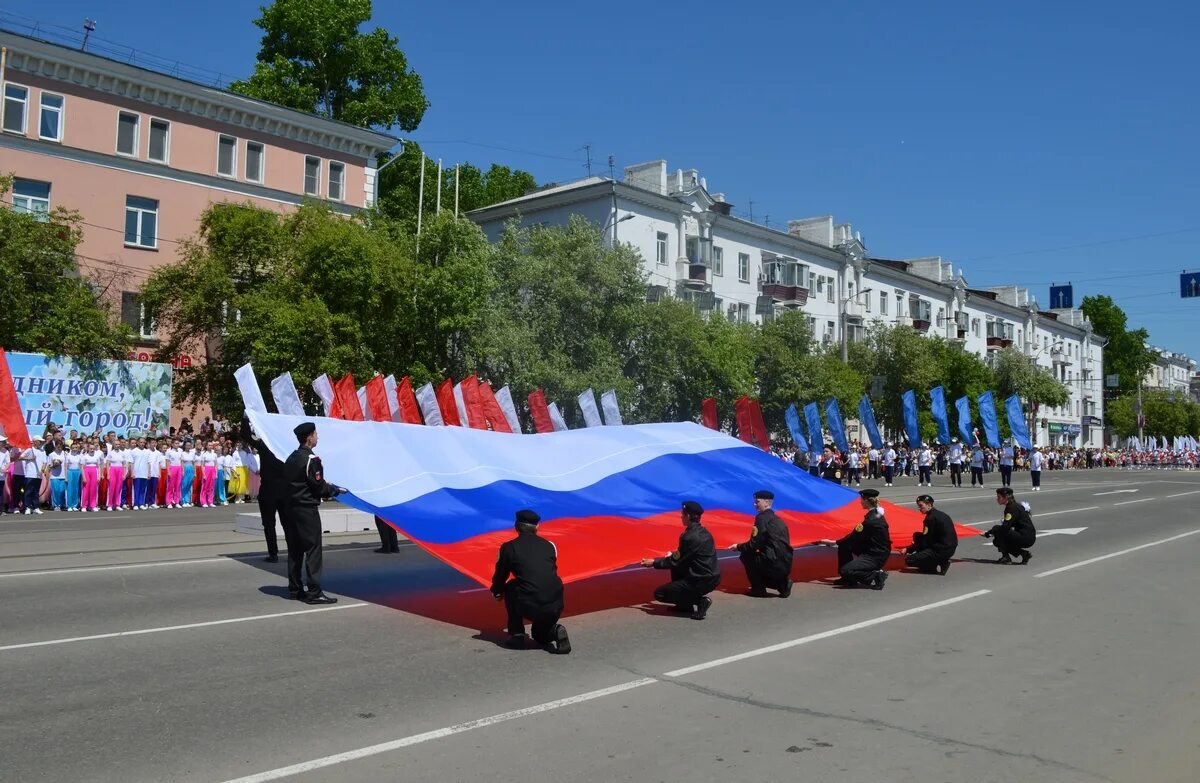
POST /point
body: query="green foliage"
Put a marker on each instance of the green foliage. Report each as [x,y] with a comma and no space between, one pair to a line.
[1126,353]
[47,307]
[1167,414]
[1015,374]
[315,58]
[904,360]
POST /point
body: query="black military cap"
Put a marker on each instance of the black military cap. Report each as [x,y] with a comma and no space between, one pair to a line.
[1004,491]
[925,499]
[868,493]
[304,430]
[764,494]
[692,508]
[528,516]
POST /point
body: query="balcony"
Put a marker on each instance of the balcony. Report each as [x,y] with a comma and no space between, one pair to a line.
[855,309]
[921,325]
[1059,356]
[998,342]
[789,295]
[903,320]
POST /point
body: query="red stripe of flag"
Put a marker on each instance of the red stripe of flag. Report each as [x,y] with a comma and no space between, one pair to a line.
[540,412]
[445,398]
[410,411]
[10,409]
[346,394]
[377,400]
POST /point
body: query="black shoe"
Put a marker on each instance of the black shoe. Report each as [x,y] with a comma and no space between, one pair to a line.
[516,642]
[298,595]
[942,568]
[1004,560]
[702,607]
[271,559]
[683,608]
[562,642]
[877,580]
[842,581]
[786,590]
[383,550]
[1026,555]
[757,593]
[319,598]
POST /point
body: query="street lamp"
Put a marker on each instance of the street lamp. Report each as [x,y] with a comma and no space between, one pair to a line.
[845,338]
[610,222]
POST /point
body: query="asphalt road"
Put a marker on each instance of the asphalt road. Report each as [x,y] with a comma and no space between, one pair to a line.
[157,646]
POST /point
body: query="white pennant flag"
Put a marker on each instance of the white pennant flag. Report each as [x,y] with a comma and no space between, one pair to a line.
[612,412]
[504,398]
[287,399]
[556,417]
[252,397]
[427,400]
[362,403]
[389,383]
[462,406]
[324,389]
[587,404]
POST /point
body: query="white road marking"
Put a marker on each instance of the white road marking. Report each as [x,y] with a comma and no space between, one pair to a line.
[1181,494]
[1114,492]
[1036,516]
[164,629]
[1127,502]
[1062,531]
[416,739]
[1110,555]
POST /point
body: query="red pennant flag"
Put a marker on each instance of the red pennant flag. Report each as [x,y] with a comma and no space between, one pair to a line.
[445,398]
[745,423]
[540,412]
[492,410]
[410,411]
[708,414]
[346,394]
[760,427]
[377,401]
[476,418]
[10,410]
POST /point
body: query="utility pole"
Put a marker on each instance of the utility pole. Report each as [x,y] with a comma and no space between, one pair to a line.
[1141,420]
[587,148]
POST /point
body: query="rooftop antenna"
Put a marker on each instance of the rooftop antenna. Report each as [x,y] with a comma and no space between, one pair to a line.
[89,27]
[611,176]
[587,148]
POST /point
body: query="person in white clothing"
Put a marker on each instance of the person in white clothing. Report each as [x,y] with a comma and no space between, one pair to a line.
[925,467]
[889,465]
[1006,463]
[1035,468]
[141,458]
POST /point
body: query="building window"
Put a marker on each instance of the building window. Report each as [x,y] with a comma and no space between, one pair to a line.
[254,161]
[50,123]
[820,283]
[160,141]
[31,197]
[744,271]
[337,180]
[127,133]
[312,176]
[16,99]
[137,316]
[866,299]
[743,315]
[718,261]
[661,247]
[226,156]
[900,303]
[141,222]
[829,289]
[883,300]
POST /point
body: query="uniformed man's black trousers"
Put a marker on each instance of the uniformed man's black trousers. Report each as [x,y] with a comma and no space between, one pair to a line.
[1008,542]
[857,570]
[925,474]
[976,475]
[926,560]
[268,507]
[306,521]
[388,539]
[686,593]
[764,573]
[543,617]
[1006,475]
[956,474]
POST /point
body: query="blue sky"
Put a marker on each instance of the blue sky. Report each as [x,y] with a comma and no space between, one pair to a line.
[1026,142]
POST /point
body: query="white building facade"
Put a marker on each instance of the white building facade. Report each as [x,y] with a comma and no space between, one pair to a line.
[694,249]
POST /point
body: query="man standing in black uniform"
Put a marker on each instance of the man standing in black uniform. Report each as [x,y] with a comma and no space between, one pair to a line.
[304,487]
[1016,533]
[388,540]
[535,590]
[767,556]
[933,547]
[270,496]
[863,552]
[831,469]
[695,571]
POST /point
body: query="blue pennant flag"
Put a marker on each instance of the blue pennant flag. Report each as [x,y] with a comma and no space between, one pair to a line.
[987,414]
[867,416]
[911,427]
[965,427]
[1016,422]
[937,405]
[793,425]
[816,436]
[833,417]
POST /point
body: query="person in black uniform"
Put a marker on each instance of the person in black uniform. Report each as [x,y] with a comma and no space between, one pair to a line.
[831,469]
[863,552]
[389,541]
[933,547]
[695,571]
[270,495]
[304,487]
[1016,533]
[535,591]
[767,556]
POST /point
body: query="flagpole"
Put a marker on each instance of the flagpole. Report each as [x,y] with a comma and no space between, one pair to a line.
[456,192]
[439,189]
[420,202]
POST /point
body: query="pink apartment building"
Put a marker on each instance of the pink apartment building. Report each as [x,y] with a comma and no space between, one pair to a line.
[141,154]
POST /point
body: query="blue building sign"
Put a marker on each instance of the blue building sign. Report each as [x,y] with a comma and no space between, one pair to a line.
[1062,297]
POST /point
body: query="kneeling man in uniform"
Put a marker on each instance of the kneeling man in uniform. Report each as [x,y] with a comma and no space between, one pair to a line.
[535,591]
[695,571]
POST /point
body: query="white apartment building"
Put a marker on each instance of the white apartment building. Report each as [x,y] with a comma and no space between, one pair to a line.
[1171,371]
[695,249]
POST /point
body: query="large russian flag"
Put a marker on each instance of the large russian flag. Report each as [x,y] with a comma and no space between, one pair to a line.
[608,496]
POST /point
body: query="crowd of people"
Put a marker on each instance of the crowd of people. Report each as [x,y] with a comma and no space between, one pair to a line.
[79,472]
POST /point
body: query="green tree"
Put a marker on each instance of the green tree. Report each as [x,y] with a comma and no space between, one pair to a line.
[903,359]
[1036,386]
[47,307]
[314,57]
[1167,414]
[1126,354]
